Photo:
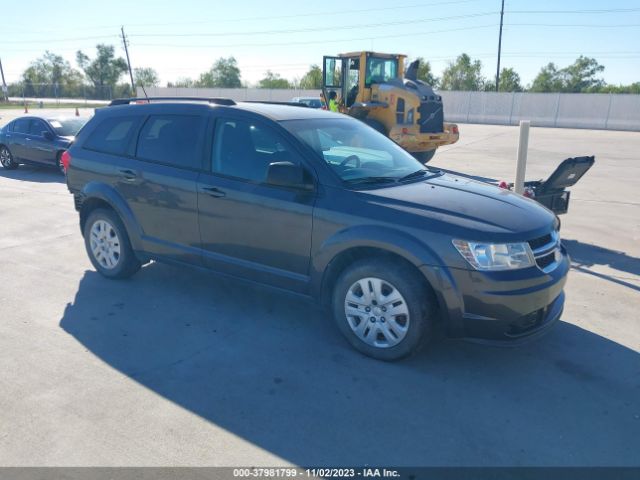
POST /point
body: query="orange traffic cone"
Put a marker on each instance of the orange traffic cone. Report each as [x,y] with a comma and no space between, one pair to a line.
[77,112]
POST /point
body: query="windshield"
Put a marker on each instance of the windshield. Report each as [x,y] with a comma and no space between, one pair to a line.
[353,150]
[381,70]
[67,127]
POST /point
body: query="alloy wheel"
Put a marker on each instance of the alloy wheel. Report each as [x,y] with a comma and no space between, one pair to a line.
[5,158]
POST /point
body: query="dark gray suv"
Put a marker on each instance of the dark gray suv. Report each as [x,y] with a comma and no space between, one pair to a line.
[320,204]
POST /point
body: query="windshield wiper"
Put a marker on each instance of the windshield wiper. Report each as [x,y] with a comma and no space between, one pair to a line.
[418,173]
[370,180]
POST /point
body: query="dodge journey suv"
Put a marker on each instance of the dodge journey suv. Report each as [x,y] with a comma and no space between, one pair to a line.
[320,204]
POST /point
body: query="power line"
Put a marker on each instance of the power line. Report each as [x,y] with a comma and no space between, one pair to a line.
[276,17]
[312,42]
[314,29]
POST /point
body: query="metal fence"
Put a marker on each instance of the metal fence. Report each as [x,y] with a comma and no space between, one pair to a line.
[571,110]
[37,91]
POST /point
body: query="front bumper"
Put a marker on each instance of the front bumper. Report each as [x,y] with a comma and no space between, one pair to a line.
[503,306]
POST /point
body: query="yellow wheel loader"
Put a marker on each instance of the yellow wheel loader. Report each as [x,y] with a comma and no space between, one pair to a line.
[374,88]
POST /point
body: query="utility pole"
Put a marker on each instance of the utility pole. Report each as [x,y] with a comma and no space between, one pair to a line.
[5,97]
[499,48]
[126,50]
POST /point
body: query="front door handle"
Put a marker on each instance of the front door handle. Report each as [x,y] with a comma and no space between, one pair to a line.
[213,192]
[127,174]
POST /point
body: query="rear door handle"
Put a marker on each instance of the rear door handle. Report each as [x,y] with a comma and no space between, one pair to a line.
[127,174]
[213,192]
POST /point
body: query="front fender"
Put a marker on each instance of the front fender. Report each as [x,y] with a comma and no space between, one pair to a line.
[109,195]
[372,236]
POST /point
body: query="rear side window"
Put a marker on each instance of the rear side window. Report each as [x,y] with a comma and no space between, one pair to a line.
[21,126]
[171,139]
[112,135]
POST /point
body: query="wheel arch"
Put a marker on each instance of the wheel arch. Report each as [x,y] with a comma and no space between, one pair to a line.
[352,245]
[97,195]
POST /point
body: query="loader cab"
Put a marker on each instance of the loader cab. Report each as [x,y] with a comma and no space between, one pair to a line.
[353,76]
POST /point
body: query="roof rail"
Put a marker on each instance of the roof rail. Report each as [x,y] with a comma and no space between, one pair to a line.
[291,104]
[127,101]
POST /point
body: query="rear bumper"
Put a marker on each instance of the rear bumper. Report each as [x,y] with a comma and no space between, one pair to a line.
[504,307]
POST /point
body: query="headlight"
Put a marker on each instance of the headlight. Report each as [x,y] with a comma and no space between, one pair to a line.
[496,256]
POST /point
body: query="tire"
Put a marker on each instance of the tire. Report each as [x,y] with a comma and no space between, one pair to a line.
[59,165]
[376,125]
[377,332]
[424,157]
[6,159]
[100,230]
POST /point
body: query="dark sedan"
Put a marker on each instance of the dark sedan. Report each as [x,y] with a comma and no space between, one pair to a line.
[37,140]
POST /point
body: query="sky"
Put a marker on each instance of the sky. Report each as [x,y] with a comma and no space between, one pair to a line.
[183,39]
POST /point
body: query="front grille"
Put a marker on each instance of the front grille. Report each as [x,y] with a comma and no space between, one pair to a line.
[431,117]
[546,260]
[540,241]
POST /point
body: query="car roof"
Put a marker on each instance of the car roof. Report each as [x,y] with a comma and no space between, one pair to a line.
[273,111]
[286,112]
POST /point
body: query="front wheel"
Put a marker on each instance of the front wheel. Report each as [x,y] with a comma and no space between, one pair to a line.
[383,308]
[108,246]
[6,159]
[424,157]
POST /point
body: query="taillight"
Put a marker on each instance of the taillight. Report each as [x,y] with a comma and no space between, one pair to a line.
[454,130]
[65,159]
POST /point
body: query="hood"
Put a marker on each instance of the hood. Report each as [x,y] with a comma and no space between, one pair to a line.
[467,204]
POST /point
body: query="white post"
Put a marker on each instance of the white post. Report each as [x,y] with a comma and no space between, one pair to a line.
[523,146]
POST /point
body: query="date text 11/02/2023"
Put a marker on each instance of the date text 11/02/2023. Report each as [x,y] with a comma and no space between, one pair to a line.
[365,472]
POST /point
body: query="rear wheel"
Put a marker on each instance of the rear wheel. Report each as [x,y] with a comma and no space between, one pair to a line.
[108,245]
[383,308]
[424,157]
[6,159]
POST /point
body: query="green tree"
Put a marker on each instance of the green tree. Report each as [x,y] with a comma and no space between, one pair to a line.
[147,77]
[223,74]
[105,69]
[273,80]
[463,74]
[182,83]
[51,68]
[312,79]
[425,73]
[509,82]
[580,76]
[632,88]
[549,79]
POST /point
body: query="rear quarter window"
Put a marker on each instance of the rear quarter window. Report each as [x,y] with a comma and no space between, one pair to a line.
[112,135]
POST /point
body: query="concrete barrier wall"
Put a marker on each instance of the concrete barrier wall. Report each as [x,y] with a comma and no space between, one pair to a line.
[570,110]
[237,94]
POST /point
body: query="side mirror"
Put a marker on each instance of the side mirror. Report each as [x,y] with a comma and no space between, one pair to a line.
[47,135]
[287,174]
